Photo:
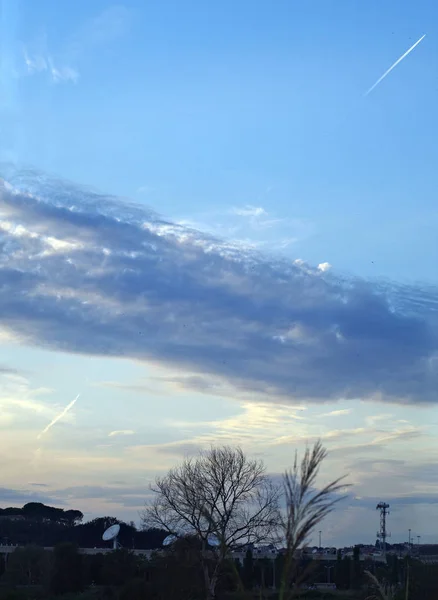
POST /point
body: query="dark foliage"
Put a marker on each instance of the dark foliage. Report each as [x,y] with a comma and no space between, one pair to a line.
[47,526]
[67,575]
[176,575]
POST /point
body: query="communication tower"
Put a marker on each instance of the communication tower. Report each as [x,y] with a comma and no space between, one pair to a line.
[383,534]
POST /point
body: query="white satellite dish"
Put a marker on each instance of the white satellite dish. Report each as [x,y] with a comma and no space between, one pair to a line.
[111,534]
[170,539]
[213,541]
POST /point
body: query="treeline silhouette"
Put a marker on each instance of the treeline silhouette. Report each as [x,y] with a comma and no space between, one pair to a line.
[32,573]
[41,525]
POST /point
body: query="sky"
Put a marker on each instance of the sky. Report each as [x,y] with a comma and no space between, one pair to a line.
[210,233]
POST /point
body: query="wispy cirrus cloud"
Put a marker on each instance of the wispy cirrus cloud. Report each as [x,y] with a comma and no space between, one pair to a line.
[120,432]
[377,441]
[7,370]
[259,218]
[16,497]
[249,211]
[17,396]
[124,282]
[62,64]
[39,59]
[251,227]
[104,28]
[337,413]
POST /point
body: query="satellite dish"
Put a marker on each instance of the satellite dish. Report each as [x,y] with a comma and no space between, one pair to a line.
[111,534]
[170,539]
[213,541]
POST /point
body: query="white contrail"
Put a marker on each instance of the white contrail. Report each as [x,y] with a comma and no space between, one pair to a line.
[394,65]
[56,419]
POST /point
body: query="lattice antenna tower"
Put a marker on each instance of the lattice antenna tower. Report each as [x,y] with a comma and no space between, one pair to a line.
[383,534]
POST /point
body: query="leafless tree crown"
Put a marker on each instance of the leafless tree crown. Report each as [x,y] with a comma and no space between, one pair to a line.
[220,492]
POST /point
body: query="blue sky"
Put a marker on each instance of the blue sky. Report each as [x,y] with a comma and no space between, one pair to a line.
[211,234]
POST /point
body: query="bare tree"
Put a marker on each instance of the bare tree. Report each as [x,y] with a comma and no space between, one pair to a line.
[306,507]
[220,493]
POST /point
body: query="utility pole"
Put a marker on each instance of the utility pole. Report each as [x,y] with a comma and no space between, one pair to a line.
[320,540]
[409,541]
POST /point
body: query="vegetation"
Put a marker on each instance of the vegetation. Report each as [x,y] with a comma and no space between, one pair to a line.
[36,528]
[41,512]
[222,493]
[121,575]
[306,507]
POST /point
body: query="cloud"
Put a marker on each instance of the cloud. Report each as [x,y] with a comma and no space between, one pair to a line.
[325,266]
[396,500]
[405,434]
[35,64]
[93,35]
[102,491]
[64,73]
[7,370]
[117,496]
[399,482]
[13,497]
[100,30]
[136,388]
[371,420]
[250,227]
[58,417]
[258,423]
[249,211]
[326,437]
[180,449]
[337,413]
[259,220]
[121,432]
[124,282]
[17,393]
[379,442]
[40,63]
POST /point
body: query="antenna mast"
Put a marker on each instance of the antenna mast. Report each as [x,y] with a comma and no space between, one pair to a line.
[383,534]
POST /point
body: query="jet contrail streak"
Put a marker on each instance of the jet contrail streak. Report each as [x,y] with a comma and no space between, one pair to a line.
[395,64]
[56,419]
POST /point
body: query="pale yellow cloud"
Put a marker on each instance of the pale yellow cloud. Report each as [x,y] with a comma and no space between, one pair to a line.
[336,413]
[258,423]
[8,336]
[373,419]
[17,392]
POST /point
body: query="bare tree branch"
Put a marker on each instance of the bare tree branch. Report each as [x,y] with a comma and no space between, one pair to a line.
[223,493]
